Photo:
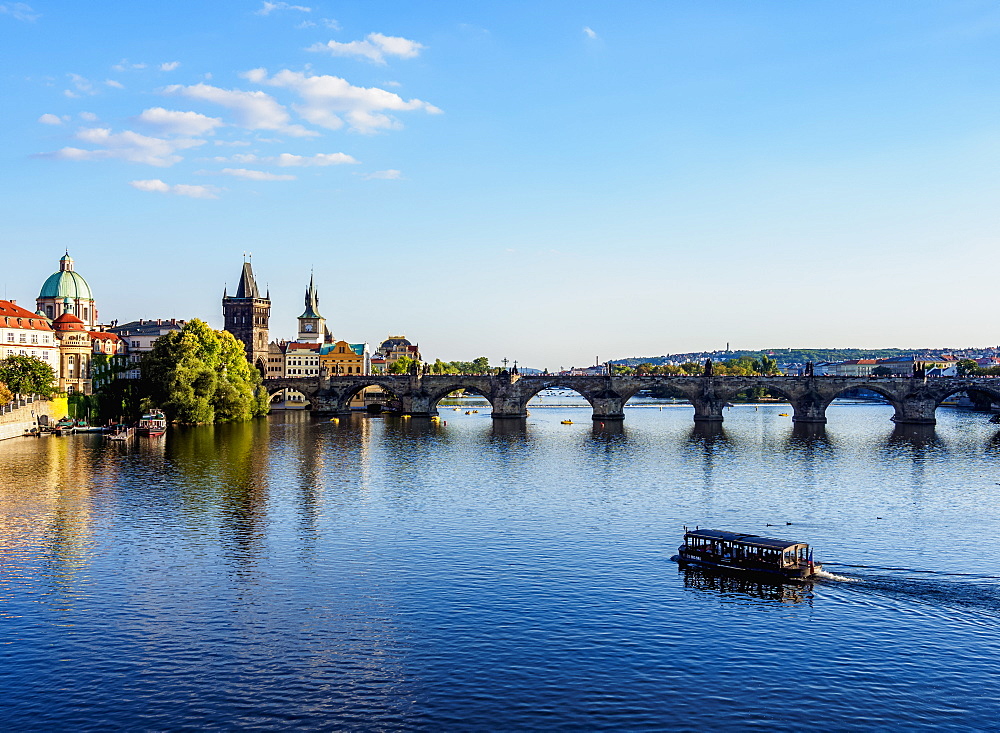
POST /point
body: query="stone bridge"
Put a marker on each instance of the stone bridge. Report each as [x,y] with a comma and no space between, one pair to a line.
[914,399]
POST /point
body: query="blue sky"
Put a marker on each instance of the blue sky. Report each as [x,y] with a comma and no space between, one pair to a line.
[549,182]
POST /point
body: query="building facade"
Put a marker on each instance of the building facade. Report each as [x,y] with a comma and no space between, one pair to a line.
[75,352]
[138,338]
[23,333]
[246,316]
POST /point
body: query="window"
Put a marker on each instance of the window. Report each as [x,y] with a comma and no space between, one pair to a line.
[24,338]
[34,338]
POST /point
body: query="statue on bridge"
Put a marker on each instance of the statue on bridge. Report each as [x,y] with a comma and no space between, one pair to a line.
[708,367]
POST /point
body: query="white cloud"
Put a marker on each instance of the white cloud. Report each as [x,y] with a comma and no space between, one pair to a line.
[330,23]
[256,175]
[387,175]
[88,116]
[253,110]
[589,32]
[287,160]
[173,122]
[329,100]
[232,143]
[155,185]
[169,65]
[237,158]
[128,146]
[375,47]
[269,8]
[20,11]
[114,84]
[125,65]
[49,119]
[82,85]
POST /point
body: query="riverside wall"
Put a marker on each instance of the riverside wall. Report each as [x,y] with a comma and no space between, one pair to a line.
[16,423]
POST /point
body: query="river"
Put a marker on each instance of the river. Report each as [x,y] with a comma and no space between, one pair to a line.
[390,574]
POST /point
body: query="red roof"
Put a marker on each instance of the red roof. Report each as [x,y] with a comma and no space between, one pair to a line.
[68,322]
[104,335]
[14,316]
[303,347]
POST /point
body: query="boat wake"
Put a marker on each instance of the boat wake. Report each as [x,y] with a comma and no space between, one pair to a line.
[928,587]
[825,575]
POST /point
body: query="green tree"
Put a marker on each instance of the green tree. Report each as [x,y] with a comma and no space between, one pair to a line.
[967,367]
[28,375]
[199,375]
[402,365]
[884,371]
[481,365]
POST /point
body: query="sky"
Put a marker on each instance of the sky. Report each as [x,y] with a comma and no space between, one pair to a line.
[554,182]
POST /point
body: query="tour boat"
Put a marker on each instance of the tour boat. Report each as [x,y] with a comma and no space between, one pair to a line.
[65,426]
[153,423]
[733,551]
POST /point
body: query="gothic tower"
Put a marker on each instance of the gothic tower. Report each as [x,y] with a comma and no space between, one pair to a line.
[312,326]
[247,314]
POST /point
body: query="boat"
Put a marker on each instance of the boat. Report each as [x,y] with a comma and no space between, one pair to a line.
[748,553]
[566,422]
[782,414]
[120,432]
[65,426]
[153,423]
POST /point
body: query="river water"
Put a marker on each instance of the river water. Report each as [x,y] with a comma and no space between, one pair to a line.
[388,574]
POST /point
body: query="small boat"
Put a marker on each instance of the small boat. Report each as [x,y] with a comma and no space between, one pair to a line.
[566,422]
[153,423]
[782,414]
[737,552]
[65,426]
[120,432]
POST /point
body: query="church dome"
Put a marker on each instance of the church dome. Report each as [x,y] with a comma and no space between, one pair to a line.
[66,283]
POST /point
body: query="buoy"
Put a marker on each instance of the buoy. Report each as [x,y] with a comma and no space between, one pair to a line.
[445,422]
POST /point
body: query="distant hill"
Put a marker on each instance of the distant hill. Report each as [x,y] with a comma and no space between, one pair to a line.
[782,356]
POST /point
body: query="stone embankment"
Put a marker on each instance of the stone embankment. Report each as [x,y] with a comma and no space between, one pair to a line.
[22,416]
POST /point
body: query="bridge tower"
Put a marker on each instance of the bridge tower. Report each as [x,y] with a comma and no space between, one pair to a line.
[247,315]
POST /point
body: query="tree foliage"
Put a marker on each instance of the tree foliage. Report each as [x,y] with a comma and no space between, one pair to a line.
[479,365]
[199,375]
[5,394]
[27,375]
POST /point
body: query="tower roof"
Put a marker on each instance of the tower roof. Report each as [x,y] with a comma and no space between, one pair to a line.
[312,301]
[68,322]
[248,286]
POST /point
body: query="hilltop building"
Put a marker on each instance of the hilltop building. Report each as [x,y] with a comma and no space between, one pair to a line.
[63,284]
[246,317]
[392,350]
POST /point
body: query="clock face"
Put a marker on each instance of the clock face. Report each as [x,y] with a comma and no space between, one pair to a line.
[309,327]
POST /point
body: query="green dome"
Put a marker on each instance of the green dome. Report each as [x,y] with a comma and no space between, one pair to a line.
[66,284]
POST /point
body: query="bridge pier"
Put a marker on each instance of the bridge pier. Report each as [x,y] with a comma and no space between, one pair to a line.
[912,410]
[508,408]
[608,407]
[809,410]
[417,405]
[708,409]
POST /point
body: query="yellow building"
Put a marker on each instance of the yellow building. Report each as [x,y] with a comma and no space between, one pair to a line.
[342,358]
[74,354]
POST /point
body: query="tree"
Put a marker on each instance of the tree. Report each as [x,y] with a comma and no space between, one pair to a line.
[967,367]
[28,375]
[481,365]
[402,365]
[884,371]
[199,375]
[5,394]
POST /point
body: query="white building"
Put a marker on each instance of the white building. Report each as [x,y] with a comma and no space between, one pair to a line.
[23,333]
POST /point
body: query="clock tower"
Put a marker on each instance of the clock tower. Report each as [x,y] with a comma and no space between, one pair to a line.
[312,326]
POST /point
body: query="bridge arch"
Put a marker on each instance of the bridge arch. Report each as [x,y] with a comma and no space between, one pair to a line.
[470,384]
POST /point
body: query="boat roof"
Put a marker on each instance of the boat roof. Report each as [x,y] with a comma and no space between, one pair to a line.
[744,539]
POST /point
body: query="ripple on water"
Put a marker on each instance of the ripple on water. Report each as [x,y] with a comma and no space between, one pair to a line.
[386,574]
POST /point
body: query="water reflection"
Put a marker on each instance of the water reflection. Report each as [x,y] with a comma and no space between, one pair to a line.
[727,586]
[707,433]
[914,436]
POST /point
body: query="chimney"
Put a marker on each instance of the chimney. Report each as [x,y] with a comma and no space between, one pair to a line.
[13,302]
[159,321]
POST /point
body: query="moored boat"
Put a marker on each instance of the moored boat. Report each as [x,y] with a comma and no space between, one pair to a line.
[153,423]
[736,552]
